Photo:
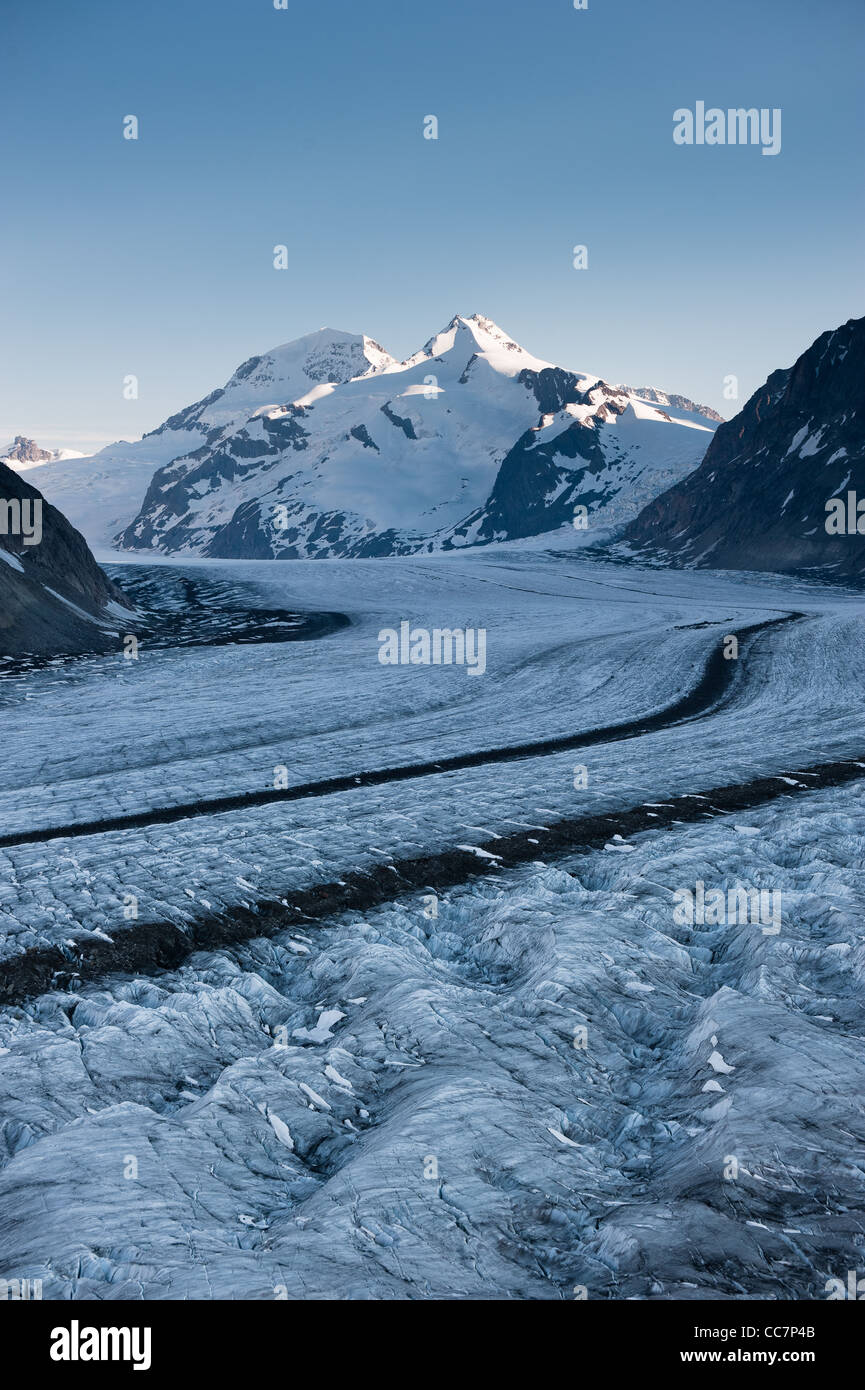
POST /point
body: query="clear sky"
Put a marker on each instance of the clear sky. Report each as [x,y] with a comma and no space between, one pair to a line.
[304,127]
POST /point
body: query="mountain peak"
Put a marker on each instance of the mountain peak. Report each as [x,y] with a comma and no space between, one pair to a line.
[24,450]
[284,374]
[328,355]
[24,453]
[483,338]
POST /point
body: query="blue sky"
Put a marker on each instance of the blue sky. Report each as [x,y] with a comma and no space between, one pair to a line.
[304,127]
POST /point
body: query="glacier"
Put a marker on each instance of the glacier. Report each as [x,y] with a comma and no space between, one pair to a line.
[534,1083]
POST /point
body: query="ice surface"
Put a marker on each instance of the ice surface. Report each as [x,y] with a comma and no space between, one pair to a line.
[571,645]
[456,1134]
[401,1104]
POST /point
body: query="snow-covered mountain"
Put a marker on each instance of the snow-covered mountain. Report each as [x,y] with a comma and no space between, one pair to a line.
[759,499]
[328,446]
[469,440]
[23,454]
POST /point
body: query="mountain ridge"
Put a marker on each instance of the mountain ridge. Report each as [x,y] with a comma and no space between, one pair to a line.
[758,500]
